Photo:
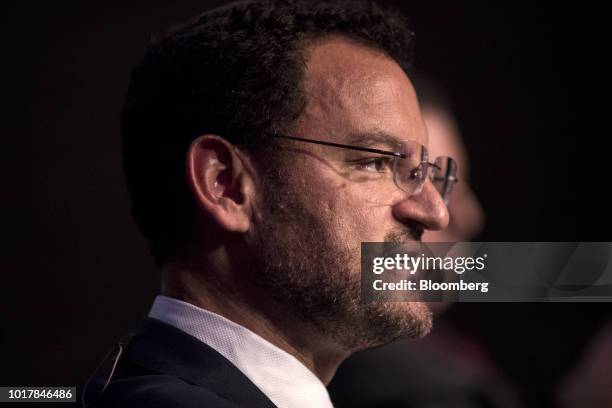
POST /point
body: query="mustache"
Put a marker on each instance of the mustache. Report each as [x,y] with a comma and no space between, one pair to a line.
[412,232]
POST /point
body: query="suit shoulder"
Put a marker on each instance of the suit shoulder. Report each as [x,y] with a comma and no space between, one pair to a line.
[159,391]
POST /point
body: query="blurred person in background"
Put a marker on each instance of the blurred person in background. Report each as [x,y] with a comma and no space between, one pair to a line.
[446,368]
[466,213]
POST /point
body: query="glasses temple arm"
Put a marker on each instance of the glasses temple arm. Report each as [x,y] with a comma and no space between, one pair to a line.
[342,146]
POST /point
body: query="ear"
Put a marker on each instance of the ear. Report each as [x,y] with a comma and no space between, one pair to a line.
[219,180]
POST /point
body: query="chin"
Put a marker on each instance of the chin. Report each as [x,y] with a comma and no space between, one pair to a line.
[420,318]
[388,321]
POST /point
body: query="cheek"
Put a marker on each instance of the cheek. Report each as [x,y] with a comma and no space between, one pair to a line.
[352,217]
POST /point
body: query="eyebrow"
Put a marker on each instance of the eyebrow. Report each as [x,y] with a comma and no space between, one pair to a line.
[373,138]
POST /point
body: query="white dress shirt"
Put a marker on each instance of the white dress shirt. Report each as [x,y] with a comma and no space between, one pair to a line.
[280,376]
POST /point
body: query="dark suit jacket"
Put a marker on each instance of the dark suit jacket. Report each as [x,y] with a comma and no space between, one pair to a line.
[164,367]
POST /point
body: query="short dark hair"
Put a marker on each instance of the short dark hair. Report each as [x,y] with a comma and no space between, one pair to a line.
[237,72]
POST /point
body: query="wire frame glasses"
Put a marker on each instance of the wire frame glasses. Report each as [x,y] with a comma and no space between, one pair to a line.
[411,166]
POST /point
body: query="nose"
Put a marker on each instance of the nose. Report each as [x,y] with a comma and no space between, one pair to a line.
[427,208]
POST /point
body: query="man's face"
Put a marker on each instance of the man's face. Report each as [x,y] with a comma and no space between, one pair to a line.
[322,202]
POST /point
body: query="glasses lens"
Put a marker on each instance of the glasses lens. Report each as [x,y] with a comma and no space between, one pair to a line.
[409,173]
[444,176]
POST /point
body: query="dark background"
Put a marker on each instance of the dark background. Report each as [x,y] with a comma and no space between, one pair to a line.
[531,88]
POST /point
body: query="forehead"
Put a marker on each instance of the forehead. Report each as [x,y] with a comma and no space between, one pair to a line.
[353,89]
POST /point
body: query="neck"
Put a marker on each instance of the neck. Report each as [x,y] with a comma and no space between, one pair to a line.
[253,310]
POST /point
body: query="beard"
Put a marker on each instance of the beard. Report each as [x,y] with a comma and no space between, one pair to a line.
[315,276]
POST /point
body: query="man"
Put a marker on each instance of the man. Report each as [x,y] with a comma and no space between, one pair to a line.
[263,143]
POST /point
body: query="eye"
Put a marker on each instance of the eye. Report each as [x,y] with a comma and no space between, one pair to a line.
[378,164]
[419,172]
[416,174]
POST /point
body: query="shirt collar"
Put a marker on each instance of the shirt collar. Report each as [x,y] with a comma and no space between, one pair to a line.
[278,374]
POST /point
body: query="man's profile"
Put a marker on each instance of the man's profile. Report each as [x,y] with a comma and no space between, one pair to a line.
[263,142]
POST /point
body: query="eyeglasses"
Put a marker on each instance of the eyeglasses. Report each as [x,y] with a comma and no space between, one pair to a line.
[410,164]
